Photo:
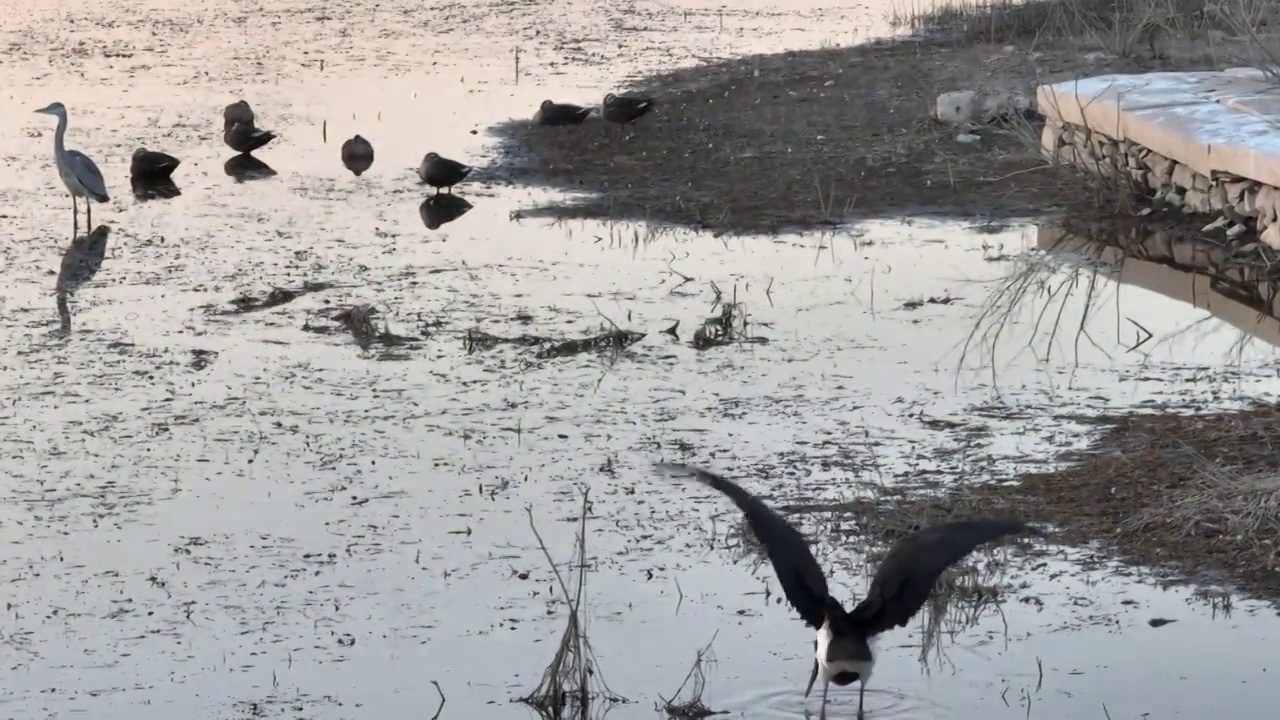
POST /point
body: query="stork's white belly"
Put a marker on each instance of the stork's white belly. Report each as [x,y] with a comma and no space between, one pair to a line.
[830,668]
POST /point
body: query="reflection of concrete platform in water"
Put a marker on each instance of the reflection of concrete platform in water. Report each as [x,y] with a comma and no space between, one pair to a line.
[1197,273]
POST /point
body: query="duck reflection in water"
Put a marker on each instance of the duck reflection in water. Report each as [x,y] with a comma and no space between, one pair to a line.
[150,175]
[245,167]
[81,261]
[442,209]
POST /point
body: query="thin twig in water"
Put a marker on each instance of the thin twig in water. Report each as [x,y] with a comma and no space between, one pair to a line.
[572,682]
[693,708]
[440,707]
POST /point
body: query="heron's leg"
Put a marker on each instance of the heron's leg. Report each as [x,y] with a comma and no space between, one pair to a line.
[88,209]
[75,217]
[822,714]
[862,688]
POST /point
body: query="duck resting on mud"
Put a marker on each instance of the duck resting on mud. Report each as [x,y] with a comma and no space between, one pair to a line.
[552,113]
[622,110]
[152,165]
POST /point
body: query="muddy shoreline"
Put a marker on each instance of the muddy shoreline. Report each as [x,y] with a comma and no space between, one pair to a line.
[812,139]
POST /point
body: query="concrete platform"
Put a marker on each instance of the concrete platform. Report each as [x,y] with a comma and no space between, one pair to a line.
[1206,142]
[1214,122]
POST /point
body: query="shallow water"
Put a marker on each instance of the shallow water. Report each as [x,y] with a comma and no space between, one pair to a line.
[215,514]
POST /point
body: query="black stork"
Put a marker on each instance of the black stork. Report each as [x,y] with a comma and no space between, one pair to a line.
[843,650]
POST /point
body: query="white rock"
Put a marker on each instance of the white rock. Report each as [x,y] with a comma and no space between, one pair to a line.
[956,108]
[1237,230]
[969,138]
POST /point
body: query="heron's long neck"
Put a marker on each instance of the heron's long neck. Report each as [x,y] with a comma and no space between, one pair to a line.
[58,146]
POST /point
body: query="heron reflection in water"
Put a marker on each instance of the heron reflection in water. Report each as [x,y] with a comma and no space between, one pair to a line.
[442,209]
[80,263]
[78,172]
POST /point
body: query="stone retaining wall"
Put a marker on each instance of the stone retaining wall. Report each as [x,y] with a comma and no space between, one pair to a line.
[1240,204]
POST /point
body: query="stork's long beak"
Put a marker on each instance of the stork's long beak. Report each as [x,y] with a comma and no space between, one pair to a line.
[812,677]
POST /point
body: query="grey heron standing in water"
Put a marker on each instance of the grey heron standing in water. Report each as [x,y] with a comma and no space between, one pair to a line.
[843,650]
[78,172]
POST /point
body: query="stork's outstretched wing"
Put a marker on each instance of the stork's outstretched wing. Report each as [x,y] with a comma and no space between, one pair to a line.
[908,573]
[802,580]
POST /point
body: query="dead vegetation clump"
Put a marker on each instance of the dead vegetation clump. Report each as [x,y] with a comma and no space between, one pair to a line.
[275,297]
[806,139]
[572,686]
[1199,494]
[727,327]
[691,706]
[359,322]
[614,339]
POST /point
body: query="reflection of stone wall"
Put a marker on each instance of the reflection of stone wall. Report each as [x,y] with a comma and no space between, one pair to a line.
[1242,204]
[1203,274]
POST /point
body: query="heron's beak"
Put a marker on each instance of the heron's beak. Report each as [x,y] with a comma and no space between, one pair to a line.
[812,677]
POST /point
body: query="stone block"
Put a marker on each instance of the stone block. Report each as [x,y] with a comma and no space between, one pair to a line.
[1218,198]
[1248,205]
[1236,189]
[1184,176]
[1162,167]
[1196,201]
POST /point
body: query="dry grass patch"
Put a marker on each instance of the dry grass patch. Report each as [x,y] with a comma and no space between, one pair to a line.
[1196,493]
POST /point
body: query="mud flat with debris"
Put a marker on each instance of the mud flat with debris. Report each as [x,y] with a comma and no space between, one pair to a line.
[282,463]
